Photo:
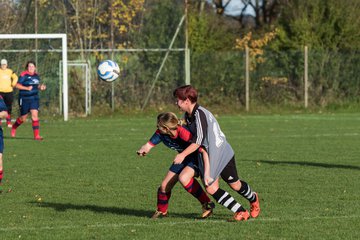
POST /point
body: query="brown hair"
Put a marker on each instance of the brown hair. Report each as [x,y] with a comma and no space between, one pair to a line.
[186,92]
[30,62]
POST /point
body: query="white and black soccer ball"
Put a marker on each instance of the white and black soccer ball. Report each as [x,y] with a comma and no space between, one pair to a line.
[108,71]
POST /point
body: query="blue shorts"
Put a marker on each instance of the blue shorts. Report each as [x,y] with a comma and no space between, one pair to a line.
[1,141]
[28,104]
[189,161]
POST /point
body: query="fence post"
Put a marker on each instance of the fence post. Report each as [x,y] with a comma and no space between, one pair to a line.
[187,50]
[306,76]
[163,63]
[247,76]
[187,66]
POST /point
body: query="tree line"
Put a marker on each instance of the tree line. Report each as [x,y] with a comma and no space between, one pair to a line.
[328,27]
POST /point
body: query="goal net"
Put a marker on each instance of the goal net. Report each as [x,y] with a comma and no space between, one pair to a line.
[74,89]
[20,48]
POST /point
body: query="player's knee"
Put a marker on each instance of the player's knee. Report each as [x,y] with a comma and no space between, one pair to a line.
[184,179]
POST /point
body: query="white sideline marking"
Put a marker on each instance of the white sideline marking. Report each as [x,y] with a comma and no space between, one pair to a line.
[301,136]
[98,137]
[157,222]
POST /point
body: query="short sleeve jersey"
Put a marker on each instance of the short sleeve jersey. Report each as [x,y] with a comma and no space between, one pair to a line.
[178,143]
[26,79]
[207,133]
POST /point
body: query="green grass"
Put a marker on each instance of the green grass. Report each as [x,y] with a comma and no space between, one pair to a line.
[92,185]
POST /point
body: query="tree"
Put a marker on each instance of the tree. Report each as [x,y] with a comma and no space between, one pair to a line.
[9,17]
[322,24]
[331,30]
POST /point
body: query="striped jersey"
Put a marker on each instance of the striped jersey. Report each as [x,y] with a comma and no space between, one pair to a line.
[26,79]
[178,143]
[207,133]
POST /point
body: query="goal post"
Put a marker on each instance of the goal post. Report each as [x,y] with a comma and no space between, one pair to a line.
[84,65]
[63,38]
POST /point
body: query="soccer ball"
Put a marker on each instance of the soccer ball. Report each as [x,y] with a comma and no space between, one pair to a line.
[108,70]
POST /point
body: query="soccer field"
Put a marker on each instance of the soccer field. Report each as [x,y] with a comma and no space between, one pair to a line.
[85,181]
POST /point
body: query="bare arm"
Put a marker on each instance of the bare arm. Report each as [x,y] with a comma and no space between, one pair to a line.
[181,156]
[22,87]
[207,178]
[145,149]
[14,79]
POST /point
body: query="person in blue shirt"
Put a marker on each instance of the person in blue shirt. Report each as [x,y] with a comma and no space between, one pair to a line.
[174,136]
[29,87]
[3,114]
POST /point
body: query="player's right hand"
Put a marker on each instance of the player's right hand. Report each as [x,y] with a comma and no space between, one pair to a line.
[144,150]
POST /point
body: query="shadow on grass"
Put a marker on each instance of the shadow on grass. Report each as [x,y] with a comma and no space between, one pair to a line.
[61,207]
[307,164]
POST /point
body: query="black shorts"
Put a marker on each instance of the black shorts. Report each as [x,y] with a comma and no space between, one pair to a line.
[189,161]
[229,173]
[8,99]
[1,141]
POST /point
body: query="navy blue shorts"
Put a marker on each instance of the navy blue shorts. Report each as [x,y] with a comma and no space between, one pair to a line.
[190,161]
[28,104]
[1,141]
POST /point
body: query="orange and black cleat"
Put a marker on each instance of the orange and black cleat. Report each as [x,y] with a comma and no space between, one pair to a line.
[241,216]
[255,207]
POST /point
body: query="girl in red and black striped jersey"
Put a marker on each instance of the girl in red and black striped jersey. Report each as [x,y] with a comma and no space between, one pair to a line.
[173,135]
[29,87]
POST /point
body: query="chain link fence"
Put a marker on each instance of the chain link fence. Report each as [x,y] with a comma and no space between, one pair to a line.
[275,81]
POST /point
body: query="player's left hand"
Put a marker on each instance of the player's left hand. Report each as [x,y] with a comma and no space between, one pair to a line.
[42,87]
[208,180]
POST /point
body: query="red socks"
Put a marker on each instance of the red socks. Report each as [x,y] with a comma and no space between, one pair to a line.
[163,201]
[17,123]
[35,127]
[195,189]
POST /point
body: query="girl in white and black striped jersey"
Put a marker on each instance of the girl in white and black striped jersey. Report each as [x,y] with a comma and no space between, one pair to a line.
[207,133]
